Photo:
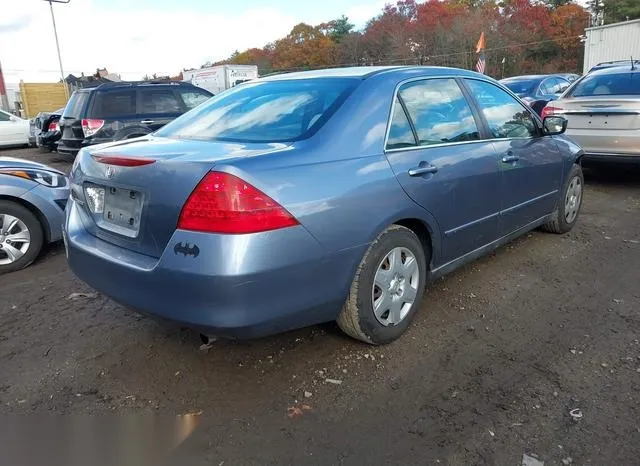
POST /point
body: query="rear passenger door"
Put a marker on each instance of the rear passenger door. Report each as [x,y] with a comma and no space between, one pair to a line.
[158,106]
[531,162]
[436,151]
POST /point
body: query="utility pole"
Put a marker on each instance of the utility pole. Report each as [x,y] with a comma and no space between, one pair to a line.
[55,33]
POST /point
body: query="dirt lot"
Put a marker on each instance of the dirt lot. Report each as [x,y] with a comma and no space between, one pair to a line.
[501,353]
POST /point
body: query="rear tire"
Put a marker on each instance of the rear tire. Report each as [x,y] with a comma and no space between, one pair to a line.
[380,314]
[566,214]
[9,262]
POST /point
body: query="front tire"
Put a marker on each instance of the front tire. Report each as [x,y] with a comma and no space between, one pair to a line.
[566,215]
[387,289]
[21,237]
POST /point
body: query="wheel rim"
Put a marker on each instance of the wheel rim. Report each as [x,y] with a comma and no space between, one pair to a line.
[572,199]
[395,286]
[15,239]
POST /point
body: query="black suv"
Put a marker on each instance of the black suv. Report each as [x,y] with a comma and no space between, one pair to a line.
[124,110]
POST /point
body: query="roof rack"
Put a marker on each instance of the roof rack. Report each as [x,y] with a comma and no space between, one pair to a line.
[153,82]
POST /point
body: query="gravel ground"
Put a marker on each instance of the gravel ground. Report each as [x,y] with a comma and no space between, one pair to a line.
[501,353]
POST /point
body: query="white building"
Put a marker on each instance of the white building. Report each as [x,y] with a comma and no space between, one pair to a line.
[13,95]
[618,41]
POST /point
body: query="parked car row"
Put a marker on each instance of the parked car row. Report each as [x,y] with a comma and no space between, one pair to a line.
[117,111]
[603,112]
[308,197]
[44,131]
[14,131]
[538,90]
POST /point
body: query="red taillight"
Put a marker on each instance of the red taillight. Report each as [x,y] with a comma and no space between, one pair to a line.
[224,203]
[122,161]
[551,110]
[53,126]
[91,126]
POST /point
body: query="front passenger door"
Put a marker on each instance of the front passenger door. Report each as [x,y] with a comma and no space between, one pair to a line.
[531,162]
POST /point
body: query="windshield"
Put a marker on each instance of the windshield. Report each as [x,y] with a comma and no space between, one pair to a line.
[525,86]
[607,84]
[270,111]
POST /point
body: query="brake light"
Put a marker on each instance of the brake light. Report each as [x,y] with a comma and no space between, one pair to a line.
[91,126]
[53,126]
[224,203]
[122,161]
[551,110]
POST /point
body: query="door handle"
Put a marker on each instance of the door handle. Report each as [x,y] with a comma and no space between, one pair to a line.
[510,158]
[147,122]
[423,170]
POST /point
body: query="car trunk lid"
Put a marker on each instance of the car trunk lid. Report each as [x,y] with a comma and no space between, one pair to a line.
[601,113]
[142,185]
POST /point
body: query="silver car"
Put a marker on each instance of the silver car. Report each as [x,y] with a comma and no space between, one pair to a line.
[603,113]
[33,197]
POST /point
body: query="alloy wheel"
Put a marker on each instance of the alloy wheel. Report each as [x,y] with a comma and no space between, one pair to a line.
[15,239]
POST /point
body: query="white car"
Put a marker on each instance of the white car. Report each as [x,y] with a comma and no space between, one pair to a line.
[14,131]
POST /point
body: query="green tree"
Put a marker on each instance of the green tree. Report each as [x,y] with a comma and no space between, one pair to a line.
[337,29]
[621,10]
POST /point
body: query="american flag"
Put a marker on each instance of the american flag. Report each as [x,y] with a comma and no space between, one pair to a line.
[481,63]
[480,66]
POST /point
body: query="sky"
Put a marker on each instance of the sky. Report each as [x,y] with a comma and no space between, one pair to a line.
[137,37]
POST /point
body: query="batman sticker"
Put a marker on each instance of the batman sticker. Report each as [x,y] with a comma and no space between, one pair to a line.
[186,249]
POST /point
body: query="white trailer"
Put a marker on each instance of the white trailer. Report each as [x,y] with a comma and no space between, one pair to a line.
[612,42]
[216,79]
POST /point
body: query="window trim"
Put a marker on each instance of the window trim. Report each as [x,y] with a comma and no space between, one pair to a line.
[480,123]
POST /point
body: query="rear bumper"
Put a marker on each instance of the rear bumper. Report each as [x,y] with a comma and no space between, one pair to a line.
[611,158]
[239,286]
[614,143]
[72,147]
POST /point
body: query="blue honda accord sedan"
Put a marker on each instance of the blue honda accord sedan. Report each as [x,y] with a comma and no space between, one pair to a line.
[317,196]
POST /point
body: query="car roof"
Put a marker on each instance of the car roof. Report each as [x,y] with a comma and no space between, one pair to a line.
[364,72]
[121,84]
[616,69]
[534,77]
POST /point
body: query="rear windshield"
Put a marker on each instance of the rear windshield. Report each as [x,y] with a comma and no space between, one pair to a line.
[521,86]
[271,111]
[607,84]
[76,105]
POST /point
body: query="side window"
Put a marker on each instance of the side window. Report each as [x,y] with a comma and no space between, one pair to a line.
[193,97]
[554,85]
[114,104]
[546,87]
[159,101]
[400,134]
[563,85]
[4,117]
[507,118]
[439,111]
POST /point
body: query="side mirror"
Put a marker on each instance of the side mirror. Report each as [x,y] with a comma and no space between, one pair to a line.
[554,125]
[14,119]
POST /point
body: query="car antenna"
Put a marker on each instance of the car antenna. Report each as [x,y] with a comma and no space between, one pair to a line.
[632,64]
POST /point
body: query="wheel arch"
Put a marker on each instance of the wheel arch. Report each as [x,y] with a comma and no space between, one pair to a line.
[423,224]
[44,223]
[423,232]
